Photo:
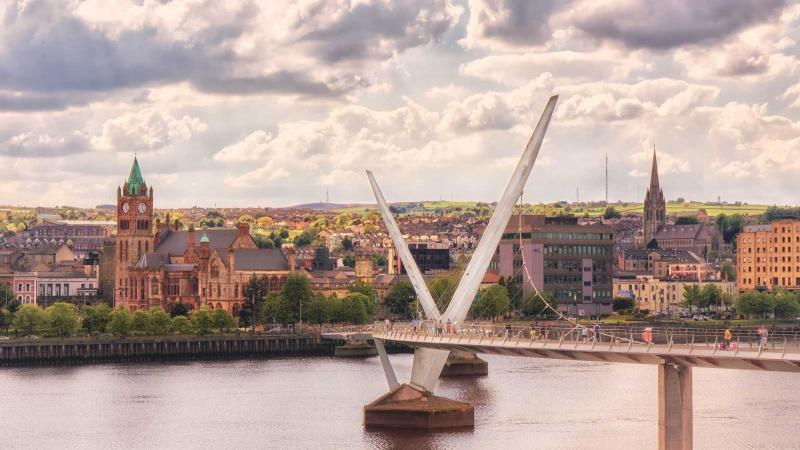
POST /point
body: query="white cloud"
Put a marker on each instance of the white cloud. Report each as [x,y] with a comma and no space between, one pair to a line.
[146,130]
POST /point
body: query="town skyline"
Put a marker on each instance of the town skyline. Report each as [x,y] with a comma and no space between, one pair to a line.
[214,115]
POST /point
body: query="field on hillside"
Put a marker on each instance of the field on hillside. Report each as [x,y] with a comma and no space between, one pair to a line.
[594,210]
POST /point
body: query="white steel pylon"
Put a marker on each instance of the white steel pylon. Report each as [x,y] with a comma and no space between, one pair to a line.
[428,363]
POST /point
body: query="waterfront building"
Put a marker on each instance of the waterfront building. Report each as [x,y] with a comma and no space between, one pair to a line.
[160,265]
[82,236]
[768,256]
[571,261]
[661,295]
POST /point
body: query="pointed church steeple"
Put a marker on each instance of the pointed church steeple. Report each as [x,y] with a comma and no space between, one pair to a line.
[654,172]
[655,206]
[135,179]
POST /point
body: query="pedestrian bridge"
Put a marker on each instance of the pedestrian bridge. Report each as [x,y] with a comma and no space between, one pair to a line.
[674,351]
[685,347]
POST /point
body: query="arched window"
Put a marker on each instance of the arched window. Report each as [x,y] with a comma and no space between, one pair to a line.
[27,299]
[219,290]
[210,305]
[153,286]
[214,270]
[236,291]
[235,309]
[141,289]
[219,305]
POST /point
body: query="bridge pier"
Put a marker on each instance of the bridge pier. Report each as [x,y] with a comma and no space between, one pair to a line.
[464,364]
[674,407]
[406,406]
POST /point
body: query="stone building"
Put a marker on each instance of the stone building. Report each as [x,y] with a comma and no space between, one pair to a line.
[655,207]
[160,265]
[768,256]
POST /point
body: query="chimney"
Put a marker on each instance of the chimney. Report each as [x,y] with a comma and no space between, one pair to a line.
[243,229]
[290,258]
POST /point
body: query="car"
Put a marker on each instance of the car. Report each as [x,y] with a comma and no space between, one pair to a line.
[699,317]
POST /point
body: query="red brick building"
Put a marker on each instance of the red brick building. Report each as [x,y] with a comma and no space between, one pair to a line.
[160,265]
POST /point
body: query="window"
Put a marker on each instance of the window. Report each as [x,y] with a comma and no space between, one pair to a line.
[214,271]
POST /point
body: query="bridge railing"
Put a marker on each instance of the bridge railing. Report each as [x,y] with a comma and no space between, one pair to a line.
[785,340]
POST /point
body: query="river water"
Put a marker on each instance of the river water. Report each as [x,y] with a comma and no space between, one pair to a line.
[316,403]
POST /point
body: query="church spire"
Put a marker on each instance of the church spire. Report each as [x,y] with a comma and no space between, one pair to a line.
[654,171]
[135,179]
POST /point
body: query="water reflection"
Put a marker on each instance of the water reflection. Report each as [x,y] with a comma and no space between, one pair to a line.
[317,402]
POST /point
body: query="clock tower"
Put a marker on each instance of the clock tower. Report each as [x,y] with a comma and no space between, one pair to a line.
[135,236]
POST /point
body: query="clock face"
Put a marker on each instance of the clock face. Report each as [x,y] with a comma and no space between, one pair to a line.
[125,207]
[142,207]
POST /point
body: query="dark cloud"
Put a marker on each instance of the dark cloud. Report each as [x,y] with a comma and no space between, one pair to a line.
[515,22]
[667,24]
[357,35]
[45,49]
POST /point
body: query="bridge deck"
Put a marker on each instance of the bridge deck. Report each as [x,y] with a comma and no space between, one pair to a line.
[604,348]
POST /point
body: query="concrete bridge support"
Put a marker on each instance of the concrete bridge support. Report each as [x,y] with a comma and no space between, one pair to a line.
[463,364]
[674,407]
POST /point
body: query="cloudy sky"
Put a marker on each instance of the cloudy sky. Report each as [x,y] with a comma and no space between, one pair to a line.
[266,103]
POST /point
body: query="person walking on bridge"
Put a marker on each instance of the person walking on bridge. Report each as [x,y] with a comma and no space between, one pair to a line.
[727,338]
[597,330]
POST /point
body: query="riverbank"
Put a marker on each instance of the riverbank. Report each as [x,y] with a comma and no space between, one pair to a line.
[50,351]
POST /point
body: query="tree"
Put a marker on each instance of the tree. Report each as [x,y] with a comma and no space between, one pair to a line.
[29,320]
[121,323]
[347,244]
[730,226]
[5,319]
[399,299]
[296,293]
[7,296]
[611,213]
[728,271]
[534,305]
[96,318]
[442,290]
[255,290]
[222,321]
[622,304]
[711,295]
[316,309]
[62,319]
[349,261]
[354,309]
[687,220]
[202,321]
[158,321]
[785,306]
[139,322]
[274,309]
[751,304]
[491,302]
[362,288]
[246,218]
[692,296]
[181,325]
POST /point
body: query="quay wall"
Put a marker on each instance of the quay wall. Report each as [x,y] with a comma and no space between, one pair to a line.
[23,352]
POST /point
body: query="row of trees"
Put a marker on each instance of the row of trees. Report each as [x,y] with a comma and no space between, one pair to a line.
[707,297]
[780,304]
[65,320]
[296,302]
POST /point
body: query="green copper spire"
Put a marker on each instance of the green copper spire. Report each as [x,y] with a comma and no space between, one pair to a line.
[204,239]
[135,179]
